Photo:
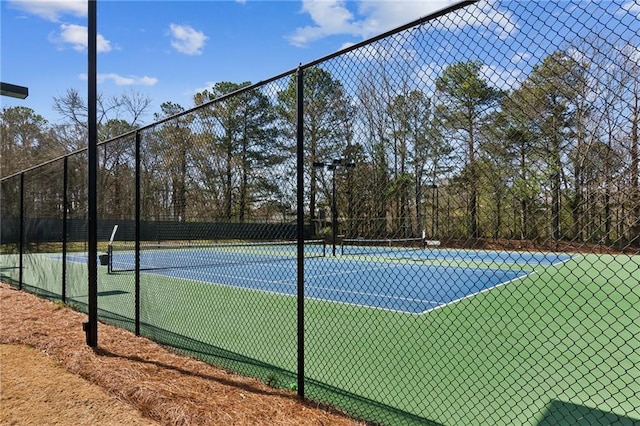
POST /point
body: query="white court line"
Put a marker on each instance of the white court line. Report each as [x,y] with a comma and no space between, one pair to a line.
[349,271]
[362,293]
[451,302]
[380,308]
[491,288]
[290,283]
[238,287]
[217,275]
[294,284]
[278,293]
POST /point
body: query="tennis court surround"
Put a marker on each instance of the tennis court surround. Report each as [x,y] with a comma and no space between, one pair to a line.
[505,130]
[504,330]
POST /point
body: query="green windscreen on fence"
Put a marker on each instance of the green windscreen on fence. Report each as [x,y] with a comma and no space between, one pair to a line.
[10,190]
[42,244]
[217,201]
[77,231]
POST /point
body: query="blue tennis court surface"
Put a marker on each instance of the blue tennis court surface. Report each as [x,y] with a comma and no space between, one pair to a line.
[367,280]
[406,288]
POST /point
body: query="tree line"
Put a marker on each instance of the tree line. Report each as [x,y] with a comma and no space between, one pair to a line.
[553,157]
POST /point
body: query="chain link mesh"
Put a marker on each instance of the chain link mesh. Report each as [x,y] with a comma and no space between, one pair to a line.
[511,150]
[42,237]
[77,245]
[116,207]
[10,229]
[475,179]
[218,197]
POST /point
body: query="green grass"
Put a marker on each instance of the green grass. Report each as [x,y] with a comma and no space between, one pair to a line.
[564,336]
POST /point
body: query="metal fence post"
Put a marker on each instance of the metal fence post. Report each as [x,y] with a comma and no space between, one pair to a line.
[91,327]
[300,221]
[65,202]
[137,236]
[21,243]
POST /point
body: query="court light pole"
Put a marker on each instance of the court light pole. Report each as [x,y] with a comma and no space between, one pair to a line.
[14,91]
[332,167]
[434,209]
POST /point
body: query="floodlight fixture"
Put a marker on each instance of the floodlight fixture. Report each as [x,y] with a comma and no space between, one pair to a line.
[14,91]
[333,167]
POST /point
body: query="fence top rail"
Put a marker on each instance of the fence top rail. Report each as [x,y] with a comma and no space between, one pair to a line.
[412,24]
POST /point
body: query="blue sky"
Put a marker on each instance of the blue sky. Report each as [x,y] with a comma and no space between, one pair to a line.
[169,50]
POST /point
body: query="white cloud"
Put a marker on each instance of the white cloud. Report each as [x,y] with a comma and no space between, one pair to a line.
[346,45]
[373,17]
[501,78]
[394,48]
[521,57]
[632,7]
[498,23]
[120,80]
[428,74]
[77,37]
[52,10]
[381,16]
[207,86]
[332,17]
[329,16]
[486,17]
[187,40]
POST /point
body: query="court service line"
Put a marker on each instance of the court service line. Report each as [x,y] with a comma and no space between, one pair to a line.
[571,257]
[382,296]
[476,293]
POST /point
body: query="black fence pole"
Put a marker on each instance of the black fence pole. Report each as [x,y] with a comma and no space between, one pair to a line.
[300,221]
[137,236]
[21,236]
[334,211]
[65,203]
[91,327]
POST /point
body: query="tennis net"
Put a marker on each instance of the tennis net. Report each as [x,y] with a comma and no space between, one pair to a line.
[155,256]
[362,246]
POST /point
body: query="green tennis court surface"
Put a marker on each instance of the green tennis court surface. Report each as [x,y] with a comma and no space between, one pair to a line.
[565,335]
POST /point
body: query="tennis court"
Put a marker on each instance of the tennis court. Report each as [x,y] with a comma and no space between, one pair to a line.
[486,334]
[396,279]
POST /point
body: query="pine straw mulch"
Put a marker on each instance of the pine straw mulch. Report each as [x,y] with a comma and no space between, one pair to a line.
[163,386]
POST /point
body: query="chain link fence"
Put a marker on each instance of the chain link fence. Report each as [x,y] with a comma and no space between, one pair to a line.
[440,225]
[11,229]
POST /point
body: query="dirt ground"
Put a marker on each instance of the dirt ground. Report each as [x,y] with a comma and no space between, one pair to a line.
[48,376]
